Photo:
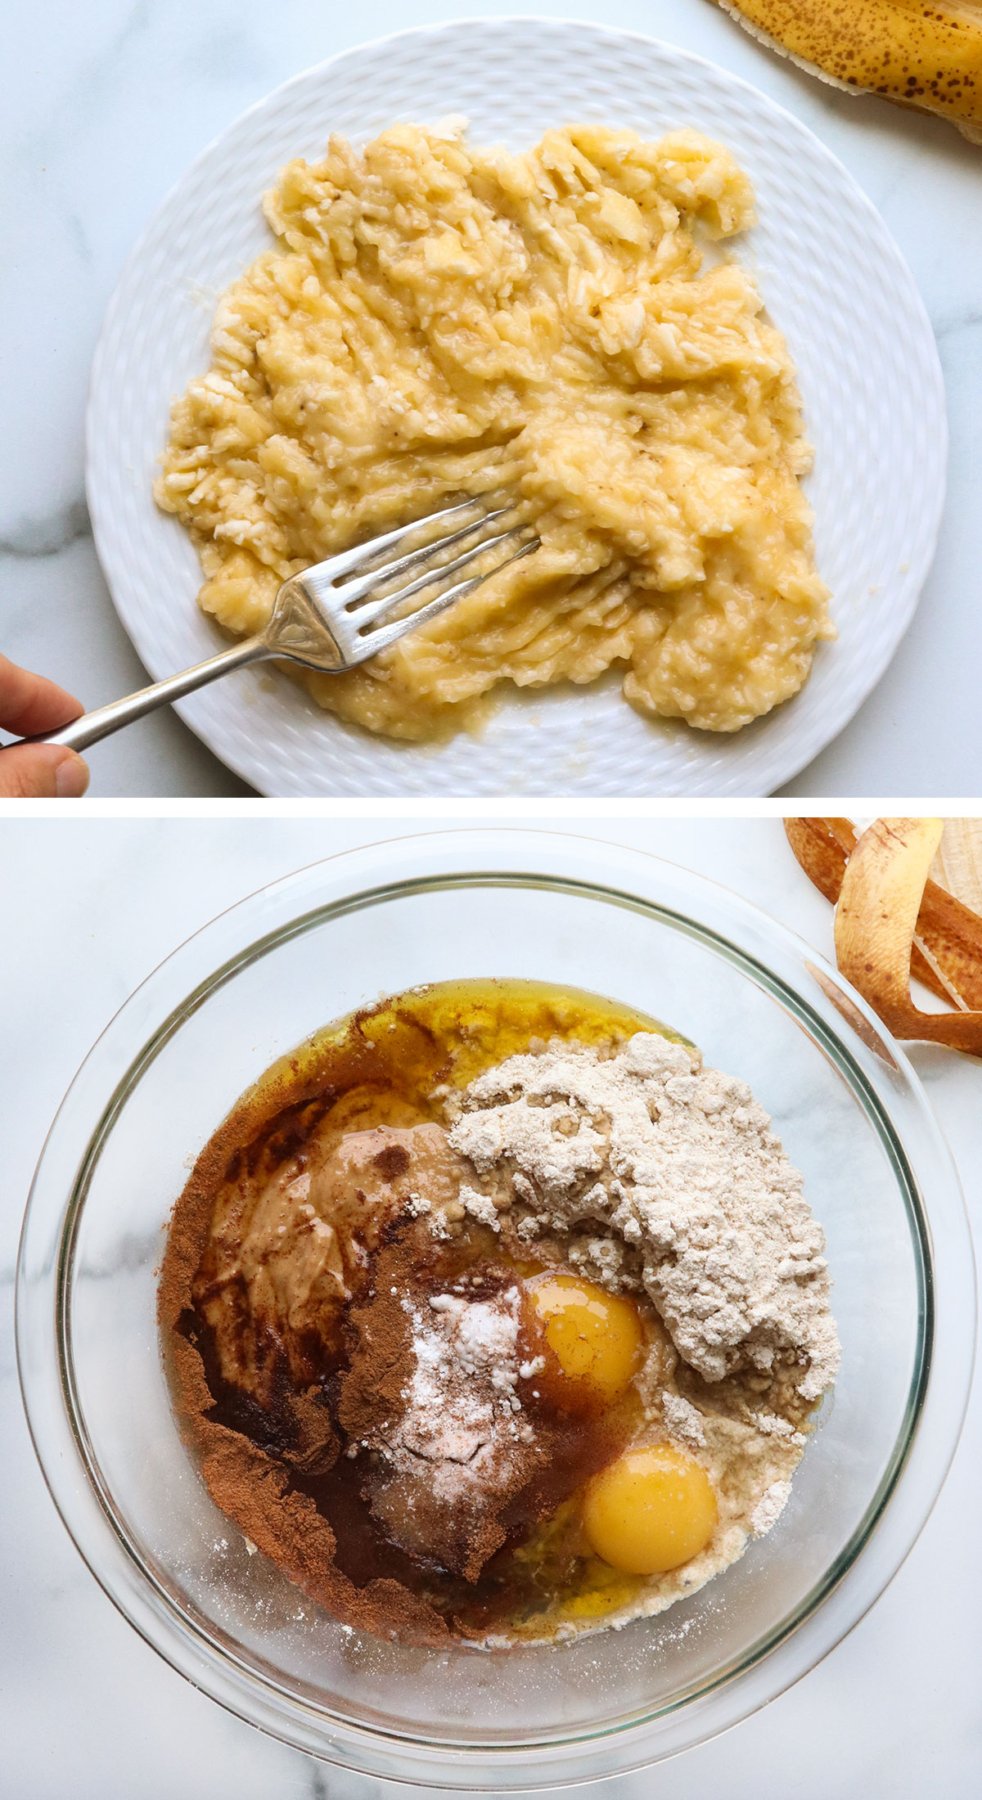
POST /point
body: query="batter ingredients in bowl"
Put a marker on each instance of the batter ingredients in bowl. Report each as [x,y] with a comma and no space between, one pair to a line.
[492,1313]
[436,320]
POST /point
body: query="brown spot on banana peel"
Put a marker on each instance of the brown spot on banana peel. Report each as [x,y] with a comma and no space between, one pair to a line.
[875,921]
[920,54]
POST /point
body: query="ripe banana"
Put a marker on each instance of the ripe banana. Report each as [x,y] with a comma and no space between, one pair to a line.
[925,53]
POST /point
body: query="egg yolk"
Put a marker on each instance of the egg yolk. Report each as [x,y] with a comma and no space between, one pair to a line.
[594,1336]
[650,1511]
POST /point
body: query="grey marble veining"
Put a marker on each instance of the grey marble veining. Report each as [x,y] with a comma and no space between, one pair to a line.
[102,113]
[46,534]
[87,1709]
[949,324]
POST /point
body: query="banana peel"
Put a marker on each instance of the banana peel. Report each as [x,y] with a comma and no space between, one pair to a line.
[922,53]
[946,953]
[892,922]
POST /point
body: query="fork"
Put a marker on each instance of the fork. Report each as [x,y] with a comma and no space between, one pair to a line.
[333,616]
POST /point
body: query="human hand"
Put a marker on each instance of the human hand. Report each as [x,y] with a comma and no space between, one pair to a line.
[30,703]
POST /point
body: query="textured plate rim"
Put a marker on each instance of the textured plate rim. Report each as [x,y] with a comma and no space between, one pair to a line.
[785,761]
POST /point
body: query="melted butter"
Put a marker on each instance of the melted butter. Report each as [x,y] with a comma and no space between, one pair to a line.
[451,1031]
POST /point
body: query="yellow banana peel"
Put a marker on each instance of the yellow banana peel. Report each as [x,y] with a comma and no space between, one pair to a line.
[924,53]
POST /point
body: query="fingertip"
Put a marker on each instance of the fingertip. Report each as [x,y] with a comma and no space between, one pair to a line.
[42,772]
[71,777]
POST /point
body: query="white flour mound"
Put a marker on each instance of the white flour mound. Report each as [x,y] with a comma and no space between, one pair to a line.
[682,1187]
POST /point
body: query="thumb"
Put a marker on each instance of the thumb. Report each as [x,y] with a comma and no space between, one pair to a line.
[42,772]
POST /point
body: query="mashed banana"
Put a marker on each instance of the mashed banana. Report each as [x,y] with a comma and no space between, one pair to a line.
[436,320]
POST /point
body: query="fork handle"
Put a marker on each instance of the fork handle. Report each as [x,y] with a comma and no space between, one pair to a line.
[105,719]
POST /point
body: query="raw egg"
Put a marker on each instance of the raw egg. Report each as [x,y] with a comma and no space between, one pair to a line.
[650,1511]
[595,1336]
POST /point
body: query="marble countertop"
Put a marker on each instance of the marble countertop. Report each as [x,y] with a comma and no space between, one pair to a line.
[85,1707]
[103,111]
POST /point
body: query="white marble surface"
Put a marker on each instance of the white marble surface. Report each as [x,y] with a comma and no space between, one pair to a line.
[104,106]
[87,1709]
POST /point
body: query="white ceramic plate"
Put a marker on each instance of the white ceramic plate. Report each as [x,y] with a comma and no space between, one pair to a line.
[833,280]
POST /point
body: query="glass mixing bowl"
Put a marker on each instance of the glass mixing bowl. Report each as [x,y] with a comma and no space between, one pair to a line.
[253,984]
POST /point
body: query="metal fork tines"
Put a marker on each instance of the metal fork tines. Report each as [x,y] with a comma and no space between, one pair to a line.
[360,590]
[340,612]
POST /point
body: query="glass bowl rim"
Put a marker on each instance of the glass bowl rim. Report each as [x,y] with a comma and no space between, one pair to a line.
[233,1679]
